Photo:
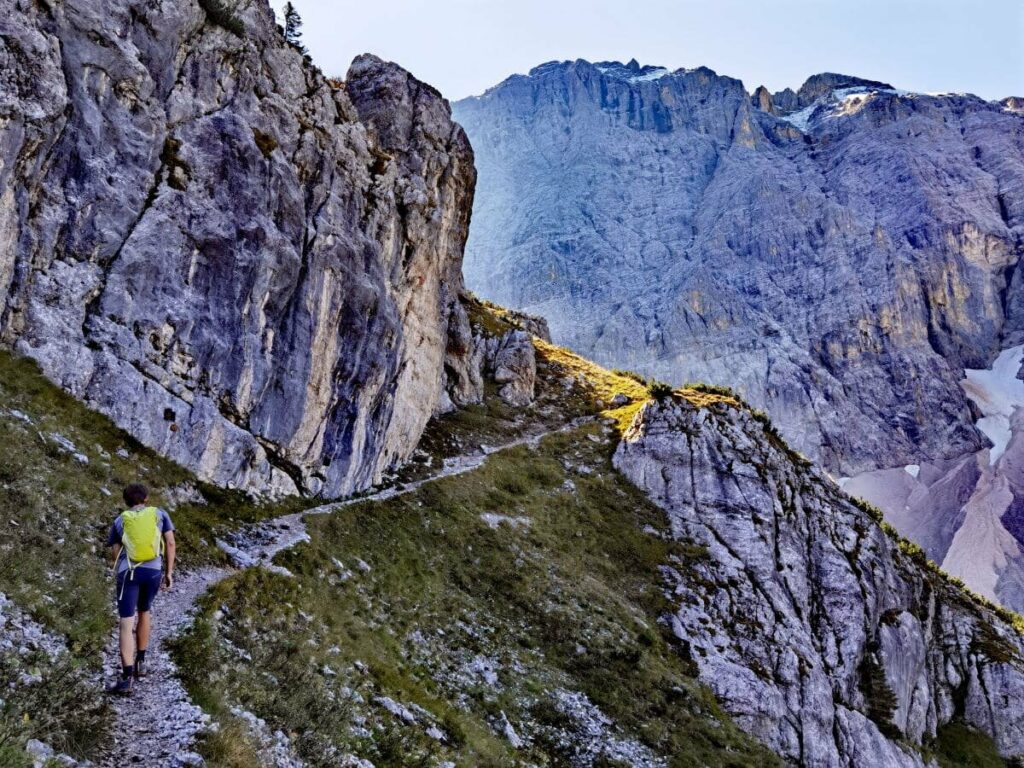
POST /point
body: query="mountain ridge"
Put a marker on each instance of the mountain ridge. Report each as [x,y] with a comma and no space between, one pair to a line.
[814,85]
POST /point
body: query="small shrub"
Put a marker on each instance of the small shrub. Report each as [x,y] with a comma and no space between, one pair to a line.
[293,28]
[659,390]
[711,389]
[223,16]
[878,695]
[870,509]
[914,551]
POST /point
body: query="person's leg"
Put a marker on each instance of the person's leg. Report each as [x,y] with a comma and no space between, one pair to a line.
[127,641]
[142,632]
[149,588]
[127,599]
[127,606]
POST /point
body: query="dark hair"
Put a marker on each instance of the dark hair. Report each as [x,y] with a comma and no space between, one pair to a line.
[135,493]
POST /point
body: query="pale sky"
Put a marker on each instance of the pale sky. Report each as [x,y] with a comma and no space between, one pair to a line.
[462,47]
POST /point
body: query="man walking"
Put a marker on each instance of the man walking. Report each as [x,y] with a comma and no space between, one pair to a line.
[139,539]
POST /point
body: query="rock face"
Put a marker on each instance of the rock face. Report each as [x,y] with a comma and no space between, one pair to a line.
[514,367]
[251,267]
[476,356]
[839,266]
[813,628]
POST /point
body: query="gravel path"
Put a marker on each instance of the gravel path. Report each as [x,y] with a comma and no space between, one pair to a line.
[157,725]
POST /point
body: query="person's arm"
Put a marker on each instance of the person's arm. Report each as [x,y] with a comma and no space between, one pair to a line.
[170,549]
[114,542]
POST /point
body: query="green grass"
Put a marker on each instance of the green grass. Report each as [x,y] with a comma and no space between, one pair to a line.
[54,518]
[569,600]
[958,745]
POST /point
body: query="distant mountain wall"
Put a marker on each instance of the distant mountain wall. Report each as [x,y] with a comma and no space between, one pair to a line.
[840,265]
[838,254]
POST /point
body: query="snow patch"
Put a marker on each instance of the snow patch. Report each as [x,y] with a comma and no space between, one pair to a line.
[644,75]
[913,470]
[802,118]
[655,74]
[997,392]
[842,102]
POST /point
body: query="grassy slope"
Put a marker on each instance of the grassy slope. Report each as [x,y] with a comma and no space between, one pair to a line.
[568,601]
[54,517]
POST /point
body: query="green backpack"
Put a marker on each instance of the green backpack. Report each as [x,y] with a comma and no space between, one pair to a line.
[141,538]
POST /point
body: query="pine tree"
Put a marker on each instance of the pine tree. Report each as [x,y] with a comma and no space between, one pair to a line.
[293,26]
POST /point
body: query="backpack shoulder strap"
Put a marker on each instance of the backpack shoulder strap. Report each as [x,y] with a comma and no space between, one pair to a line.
[159,530]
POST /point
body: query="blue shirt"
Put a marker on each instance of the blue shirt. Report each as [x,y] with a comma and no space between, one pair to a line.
[117,533]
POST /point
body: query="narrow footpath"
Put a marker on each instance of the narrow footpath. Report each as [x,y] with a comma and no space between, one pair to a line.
[158,724]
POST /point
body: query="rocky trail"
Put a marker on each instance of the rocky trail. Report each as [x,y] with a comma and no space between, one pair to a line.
[158,723]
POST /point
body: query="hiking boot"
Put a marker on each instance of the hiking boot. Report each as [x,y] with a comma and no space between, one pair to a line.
[140,669]
[122,687]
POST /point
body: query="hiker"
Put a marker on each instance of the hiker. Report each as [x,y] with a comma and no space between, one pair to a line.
[139,538]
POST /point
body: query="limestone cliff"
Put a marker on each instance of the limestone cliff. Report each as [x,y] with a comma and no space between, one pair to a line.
[249,266]
[816,630]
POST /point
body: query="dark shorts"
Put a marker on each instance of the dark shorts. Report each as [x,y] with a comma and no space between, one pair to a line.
[136,593]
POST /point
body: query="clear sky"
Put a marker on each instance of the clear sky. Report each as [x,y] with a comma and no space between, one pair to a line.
[462,47]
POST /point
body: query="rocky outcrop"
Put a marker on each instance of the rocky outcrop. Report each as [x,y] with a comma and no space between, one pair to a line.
[813,628]
[250,267]
[513,364]
[816,87]
[823,84]
[532,324]
[477,355]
